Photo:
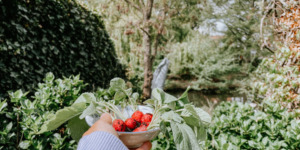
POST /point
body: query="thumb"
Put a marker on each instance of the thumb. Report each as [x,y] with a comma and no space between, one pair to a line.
[106,118]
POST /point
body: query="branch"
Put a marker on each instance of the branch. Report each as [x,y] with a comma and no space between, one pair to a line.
[148,10]
[134,5]
[145,31]
[142,3]
[268,48]
[155,47]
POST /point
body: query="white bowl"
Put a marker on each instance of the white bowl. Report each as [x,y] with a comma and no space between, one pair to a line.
[130,139]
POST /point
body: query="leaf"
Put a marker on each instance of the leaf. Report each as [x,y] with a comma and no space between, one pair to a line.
[201,133]
[119,96]
[169,98]
[91,109]
[9,126]
[16,96]
[204,116]
[49,77]
[191,120]
[117,84]
[184,137]
[3,105]
[178,137]
[171,116]
[150,102]
[135,96]
[184,97]
[190,109]
[128,91]
[156,94]
[77,127]
[62,116]
[86,98]
[24,144]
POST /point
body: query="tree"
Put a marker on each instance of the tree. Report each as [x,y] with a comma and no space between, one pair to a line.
[152,23]
[277,78]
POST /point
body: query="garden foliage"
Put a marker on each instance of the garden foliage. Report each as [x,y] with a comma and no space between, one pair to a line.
[58,36]
[176,117]
[23,117]
[240,126]
[200,59]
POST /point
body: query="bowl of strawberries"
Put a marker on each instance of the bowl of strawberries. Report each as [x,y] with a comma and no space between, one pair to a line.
[132,126]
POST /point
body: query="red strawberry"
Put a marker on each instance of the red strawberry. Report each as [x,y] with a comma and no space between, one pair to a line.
[137,116]
[147,117]
[130,123]
[119,125]
[141,128]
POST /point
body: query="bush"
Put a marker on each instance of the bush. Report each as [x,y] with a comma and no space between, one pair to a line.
[56,36]
[240,126]
[202,60]
[24,116]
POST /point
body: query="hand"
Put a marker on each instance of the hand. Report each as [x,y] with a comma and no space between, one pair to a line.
[105,124]
[145,146]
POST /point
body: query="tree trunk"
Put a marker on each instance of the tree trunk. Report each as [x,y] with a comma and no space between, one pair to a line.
[147,50]
[147,66]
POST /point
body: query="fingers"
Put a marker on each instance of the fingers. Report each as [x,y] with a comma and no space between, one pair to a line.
[145,146]
[103,124]
[106,118]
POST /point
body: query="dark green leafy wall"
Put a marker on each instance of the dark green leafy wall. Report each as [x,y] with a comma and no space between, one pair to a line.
[59,36]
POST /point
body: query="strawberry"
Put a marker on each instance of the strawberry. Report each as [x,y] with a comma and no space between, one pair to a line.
[137,116]
[119,125]
[147,118]
[130,123]
[141,128]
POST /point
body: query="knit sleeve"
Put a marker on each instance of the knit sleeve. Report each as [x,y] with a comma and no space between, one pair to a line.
[100,141]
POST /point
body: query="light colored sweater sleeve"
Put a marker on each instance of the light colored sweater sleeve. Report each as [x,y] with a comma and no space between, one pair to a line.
[100,140]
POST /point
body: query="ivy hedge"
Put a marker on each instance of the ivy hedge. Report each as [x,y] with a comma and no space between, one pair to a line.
[59,36]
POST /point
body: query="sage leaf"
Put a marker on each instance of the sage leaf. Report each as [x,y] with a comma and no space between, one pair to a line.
[184,136]
[184,97]
[86,98]
[117,84]
[77,127]
[62,116]
[204,116]
[91,109]
[169,98]
[171,116]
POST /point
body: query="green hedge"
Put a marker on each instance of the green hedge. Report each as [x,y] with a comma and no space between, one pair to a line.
[59,36]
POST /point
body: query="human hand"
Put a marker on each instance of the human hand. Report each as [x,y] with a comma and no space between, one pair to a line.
[145,146]
[105,124]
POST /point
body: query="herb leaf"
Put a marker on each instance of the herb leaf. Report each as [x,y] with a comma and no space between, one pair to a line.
[62,116]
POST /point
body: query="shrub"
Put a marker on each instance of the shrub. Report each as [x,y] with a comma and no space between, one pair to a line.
[240,126]
[56,36]
[202,59]
[24,116]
